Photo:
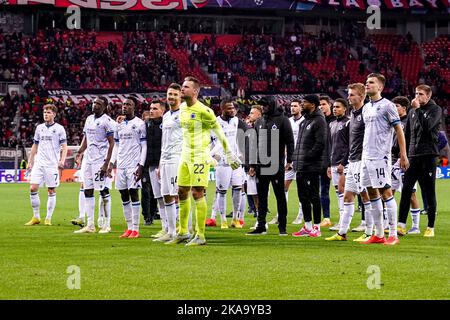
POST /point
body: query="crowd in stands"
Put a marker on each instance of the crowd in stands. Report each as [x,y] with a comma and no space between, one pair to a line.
[77,60]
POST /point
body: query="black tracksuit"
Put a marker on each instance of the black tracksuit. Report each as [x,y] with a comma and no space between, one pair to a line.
[154,138]
[421,133]
[271,122]
[309,159]
[324,179]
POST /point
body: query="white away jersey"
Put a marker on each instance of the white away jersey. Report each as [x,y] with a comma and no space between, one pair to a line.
[380,117]
[96,131]
[230,128]
[172,137]
[49,140]
[128,136]
[295,124]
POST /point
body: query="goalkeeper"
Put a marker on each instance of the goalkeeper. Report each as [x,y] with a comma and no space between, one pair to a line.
[197,121]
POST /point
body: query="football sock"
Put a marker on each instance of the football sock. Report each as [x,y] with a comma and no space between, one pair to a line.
[106,205]
[51,204]
[236,194]
[242,206]
[162,214]
[200,215]
[81,211]
[391,210]
[171,215]
[35,204]
[349,209]
[127,214]
[377,215]
[90,207]
[415,215]
[136,216]
[185,208]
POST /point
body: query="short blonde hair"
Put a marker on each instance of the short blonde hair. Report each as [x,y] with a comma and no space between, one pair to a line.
[359,87]
[51,107]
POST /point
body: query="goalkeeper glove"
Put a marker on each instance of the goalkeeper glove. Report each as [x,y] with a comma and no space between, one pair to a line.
[233,161]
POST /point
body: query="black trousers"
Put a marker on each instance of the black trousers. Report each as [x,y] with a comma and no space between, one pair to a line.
[422,169]
[148,201]
[308,194]
[263,184]
[325,193]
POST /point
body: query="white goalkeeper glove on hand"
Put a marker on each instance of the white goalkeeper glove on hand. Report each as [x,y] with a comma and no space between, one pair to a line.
[233,160]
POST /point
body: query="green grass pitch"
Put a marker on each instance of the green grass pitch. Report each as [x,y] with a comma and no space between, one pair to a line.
[35,260]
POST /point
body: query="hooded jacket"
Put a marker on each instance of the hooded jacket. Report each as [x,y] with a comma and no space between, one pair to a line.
[310,151]
[271,121]
[422,130]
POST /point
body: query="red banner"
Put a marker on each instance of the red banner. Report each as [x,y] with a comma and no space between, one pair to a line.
[386,4]
[118,4]
[248,4]
[392,4]
[354,4]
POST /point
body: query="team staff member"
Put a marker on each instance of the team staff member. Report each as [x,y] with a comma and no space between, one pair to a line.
[149,203]
[309,157]
[325,179]
[150,178]
[422,130]
[273,120]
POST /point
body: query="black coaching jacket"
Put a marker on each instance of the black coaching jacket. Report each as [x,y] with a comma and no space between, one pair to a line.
[422,130]
[310,151]
[274,120]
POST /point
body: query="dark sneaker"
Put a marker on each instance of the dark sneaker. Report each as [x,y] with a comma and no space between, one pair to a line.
[283,233]
[257,232]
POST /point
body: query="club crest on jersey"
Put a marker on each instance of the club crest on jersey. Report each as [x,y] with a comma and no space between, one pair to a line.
[192,115]
[133,127]
[274,127]
[308,127]
[160,126]
[359,118]
[340,127]
[97,123]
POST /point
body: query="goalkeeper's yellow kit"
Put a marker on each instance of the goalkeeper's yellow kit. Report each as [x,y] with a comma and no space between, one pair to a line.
[197,121]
